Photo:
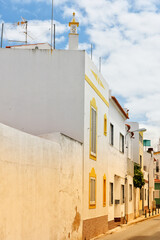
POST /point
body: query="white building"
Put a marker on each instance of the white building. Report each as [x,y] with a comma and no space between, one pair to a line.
[121,207]
[149,165]
[62,91]
[44,92]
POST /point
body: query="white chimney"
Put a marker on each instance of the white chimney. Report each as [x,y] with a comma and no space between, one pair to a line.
[73,35]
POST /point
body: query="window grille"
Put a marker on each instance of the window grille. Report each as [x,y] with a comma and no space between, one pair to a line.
[122,193]
[130,192]
[111,134]
[93,131]
[111,193]
[104,190]
[92,191]
[121,143]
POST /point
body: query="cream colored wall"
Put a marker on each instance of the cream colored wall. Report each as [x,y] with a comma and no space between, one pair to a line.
[130,204]
[40,187]
[137,202]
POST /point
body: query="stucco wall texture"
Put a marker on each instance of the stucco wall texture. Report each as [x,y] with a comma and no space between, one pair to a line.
[40,187]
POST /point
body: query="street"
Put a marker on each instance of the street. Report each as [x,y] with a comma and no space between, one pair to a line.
[147,230]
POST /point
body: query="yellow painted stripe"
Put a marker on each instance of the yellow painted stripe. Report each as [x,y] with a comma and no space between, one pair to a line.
[96,90]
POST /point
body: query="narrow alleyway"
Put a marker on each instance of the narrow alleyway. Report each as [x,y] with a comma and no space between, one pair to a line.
[147,230]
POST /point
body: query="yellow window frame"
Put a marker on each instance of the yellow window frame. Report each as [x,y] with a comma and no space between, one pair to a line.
[105,124]
[104,190]
[92,105]
[92,174]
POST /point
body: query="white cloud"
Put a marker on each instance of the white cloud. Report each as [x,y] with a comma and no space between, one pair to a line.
[126,35]
[56,2]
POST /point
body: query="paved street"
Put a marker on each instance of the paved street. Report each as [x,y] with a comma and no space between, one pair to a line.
[147,230]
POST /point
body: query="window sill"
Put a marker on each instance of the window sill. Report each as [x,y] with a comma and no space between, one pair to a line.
[92,206]
[92,157]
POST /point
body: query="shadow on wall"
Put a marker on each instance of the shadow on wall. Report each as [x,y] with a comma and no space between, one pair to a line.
[155,236]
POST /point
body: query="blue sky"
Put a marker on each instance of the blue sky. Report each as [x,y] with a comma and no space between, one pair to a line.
[125,33]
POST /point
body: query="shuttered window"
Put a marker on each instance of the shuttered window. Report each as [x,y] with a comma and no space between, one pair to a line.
[111,134]
[156,194]
[105,124]
[92,189]
[104,190]
[111,193]
[122,194]
[93,131]
[121,143]
[130,192]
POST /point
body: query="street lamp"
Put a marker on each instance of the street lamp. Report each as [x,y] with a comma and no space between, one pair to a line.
[140,130]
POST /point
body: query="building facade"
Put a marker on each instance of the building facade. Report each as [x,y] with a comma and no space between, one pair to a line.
[63,100]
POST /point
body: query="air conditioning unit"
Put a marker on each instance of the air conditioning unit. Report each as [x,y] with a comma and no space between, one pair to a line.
[117,201]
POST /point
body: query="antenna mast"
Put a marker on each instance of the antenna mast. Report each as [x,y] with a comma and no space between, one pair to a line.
[52,26]
[2,34]
[26,23]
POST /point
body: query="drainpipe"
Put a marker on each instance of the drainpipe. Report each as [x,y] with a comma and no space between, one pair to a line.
[126,199]
[148,189]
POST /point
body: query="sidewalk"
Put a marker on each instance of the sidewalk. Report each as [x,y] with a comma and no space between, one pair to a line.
[123,226]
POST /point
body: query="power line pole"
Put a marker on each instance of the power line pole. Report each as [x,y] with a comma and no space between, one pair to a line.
[54,36]
[2,35]
[52,26]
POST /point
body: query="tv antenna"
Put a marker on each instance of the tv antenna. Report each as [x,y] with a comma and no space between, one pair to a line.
[24,22]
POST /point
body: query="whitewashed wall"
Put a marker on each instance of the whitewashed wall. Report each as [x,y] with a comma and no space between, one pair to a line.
[101,164]
[42,92]
[117,161]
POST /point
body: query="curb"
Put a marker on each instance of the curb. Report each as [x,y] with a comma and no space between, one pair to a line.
[123,226]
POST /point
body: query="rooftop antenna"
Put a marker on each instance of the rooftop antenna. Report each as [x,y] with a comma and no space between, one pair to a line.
[23,22]
[2,34]
[52,26]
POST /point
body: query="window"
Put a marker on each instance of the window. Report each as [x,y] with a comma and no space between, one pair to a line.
[104,190]
[92,189]
[157,166]
[111,134]
[93,130]
[145,194]
[130,192]
[122,193]
[105,125]
[140,160]
[111,193]
[121,143]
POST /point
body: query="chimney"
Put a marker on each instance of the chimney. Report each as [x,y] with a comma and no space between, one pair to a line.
[73,35]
